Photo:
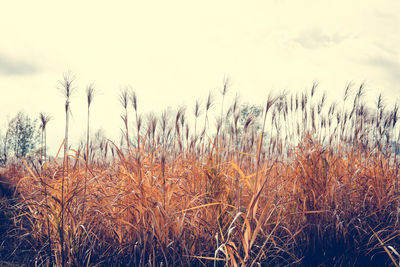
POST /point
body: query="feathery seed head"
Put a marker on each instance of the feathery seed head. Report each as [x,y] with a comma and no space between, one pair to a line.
[123,98]
[225,85]
[134,100]
[66,85]
[197,109]
[44,119]
[90,92]
[210,101]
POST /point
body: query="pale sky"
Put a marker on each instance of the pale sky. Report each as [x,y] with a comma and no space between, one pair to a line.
[172,52]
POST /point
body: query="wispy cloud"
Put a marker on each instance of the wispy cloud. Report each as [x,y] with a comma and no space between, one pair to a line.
[10,66]
[316,38]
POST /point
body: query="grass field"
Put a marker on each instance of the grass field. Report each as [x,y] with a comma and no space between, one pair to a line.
[306,183]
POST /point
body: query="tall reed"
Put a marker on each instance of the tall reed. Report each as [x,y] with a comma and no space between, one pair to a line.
[90,93]
[67,88]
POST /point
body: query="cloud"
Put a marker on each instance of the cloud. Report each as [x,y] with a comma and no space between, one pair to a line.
[14,67]
[316,38]
[389,66]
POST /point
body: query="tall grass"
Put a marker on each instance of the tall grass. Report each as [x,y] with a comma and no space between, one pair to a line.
[44,120]
[67,88]
[307,183]
[90,93]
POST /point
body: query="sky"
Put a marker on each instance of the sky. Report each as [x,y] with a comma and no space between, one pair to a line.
[173,52]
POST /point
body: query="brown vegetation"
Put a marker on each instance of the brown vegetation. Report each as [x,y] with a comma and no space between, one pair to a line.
[310,184]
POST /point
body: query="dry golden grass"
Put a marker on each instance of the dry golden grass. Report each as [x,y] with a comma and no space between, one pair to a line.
[320,188]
